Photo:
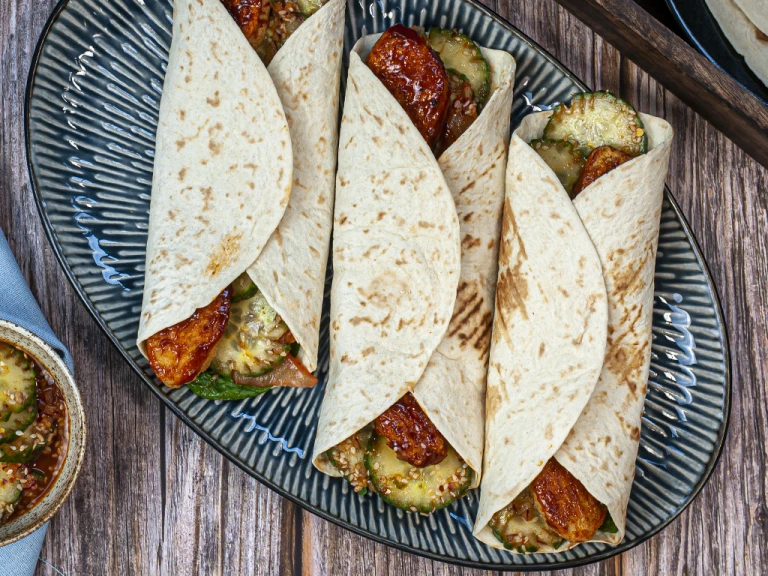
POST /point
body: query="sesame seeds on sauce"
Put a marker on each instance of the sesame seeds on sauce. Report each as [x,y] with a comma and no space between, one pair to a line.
[50,430]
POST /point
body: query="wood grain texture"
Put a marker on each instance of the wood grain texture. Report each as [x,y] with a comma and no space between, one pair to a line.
[688,74]
[155,499]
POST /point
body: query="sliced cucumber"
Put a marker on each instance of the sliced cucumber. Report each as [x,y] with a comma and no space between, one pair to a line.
[348,457]
[520,527]
[17,381]
[10,489]
[309,7]
[251,342]
[598,119]
[565,160]
[17,421]
[212,386]
[243,288]
[415,489]
[459,53]
[30,443]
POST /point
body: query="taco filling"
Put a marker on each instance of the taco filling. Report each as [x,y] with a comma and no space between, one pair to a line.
[234,348]
[267,24]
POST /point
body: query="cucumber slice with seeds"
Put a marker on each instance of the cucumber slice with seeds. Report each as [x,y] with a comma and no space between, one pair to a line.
[30,443]
[251,342]
[348,457]
[564,159]
[415,489]
[521,527]
[10,489]
[459,53]
[243,288]
[598,119]
[309,7]
[17,421]
[17,381]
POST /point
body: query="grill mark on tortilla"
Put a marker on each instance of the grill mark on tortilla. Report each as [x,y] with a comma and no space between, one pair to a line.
[469,242]
[512,290]
[221,256]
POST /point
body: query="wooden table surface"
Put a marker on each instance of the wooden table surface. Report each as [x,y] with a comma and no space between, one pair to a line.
[155,499]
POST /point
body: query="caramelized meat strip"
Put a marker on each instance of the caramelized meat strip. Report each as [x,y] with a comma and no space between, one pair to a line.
[411,434]
[290,373]
[565,504]
[599,162]
[415,76]
[252,16]
[461,112]
[179,353]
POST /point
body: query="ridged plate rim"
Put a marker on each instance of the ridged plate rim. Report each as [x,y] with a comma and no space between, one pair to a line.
[608,553]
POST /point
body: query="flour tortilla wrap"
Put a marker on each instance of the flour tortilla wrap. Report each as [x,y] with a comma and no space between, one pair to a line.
[286,261]
[744,33]
[397,258]
[290,271]
[571,343]
[757,13]
[452,388]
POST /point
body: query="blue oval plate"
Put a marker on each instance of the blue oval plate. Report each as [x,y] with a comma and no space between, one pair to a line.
[92,103]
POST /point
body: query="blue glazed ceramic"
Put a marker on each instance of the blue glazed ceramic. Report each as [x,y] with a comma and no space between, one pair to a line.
[92,105]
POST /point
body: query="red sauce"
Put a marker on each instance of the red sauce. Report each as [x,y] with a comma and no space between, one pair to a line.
[43,470]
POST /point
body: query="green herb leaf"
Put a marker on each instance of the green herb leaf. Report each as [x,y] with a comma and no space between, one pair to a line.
[211,386]
[532,548]
[608,526]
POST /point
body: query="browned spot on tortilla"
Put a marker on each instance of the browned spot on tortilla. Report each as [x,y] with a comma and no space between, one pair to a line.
[512,288]
[187,79]
[634,433]
[554,215]
[368,351]
[493,401]
[626,362]
[215,101]
[207,198]
[343,219]
[468,187]
[182,114]
[542,348]
[380,215]
[180,144]
[468,216]
[469,242]
[548,431]
[214,147]
[223,253]
[562,291]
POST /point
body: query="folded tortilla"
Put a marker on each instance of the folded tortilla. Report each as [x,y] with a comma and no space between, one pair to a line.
[400,251]
[244,170]
[744,33]
[757,13]
[571,343]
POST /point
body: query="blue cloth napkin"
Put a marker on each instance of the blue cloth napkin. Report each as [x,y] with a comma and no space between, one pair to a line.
[19,306]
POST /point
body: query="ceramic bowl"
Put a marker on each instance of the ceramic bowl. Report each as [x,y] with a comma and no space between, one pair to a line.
[59,492]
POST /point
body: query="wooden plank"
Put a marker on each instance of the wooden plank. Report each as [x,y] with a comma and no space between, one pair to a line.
[722,192]
[216,519]
[681,69]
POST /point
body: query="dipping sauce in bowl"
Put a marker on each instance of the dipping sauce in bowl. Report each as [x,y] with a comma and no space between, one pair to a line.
[34,432]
